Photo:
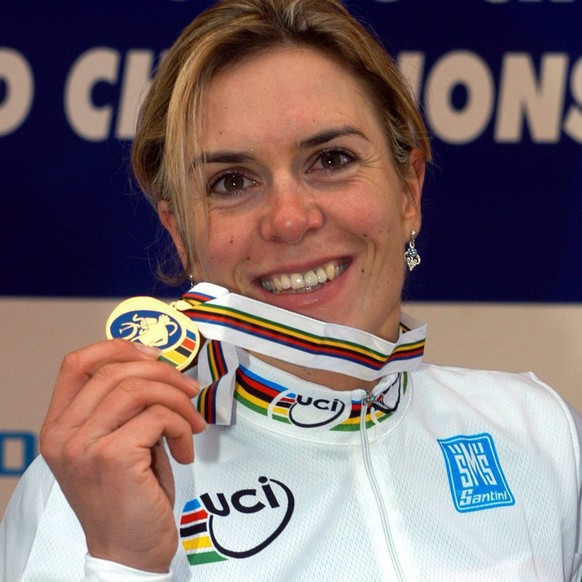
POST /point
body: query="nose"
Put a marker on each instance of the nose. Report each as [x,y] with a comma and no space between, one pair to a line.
[290,214]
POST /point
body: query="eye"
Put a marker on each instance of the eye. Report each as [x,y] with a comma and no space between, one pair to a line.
[332,160]
[230,183]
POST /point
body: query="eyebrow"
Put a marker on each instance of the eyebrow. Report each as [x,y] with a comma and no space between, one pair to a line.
[225,157]
[231,157]
[329,135]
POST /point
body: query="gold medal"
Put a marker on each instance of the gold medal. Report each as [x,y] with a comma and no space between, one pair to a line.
[153,323]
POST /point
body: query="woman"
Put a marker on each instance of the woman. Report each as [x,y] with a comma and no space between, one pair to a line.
[285,156]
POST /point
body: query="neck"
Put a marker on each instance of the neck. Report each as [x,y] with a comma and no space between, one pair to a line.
[329,379]
[333,380]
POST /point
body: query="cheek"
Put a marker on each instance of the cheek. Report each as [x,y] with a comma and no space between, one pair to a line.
[221,238]
[219,251]
[372,209]
[378,224]
[226,250]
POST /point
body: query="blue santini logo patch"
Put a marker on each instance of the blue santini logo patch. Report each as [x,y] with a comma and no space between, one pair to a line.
[475,476]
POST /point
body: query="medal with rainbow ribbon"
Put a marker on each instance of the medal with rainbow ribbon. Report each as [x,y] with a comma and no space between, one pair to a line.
[229,322]
[153,323]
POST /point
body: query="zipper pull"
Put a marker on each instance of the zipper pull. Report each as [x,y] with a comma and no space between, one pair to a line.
[369,398]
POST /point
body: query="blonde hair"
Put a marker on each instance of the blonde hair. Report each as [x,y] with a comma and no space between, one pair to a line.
[170,123]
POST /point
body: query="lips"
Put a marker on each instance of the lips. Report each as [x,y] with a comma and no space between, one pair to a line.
[303,282]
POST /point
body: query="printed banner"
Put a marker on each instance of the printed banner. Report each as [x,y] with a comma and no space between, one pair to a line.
[499,81]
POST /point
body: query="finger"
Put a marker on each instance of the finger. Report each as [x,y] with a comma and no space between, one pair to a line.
[137,437]
[131,376]
[84,449]
[78,366]
[128,399]
[133,396]
[175,429]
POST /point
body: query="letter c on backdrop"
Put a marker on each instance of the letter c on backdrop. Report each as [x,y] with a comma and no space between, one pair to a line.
[90,121]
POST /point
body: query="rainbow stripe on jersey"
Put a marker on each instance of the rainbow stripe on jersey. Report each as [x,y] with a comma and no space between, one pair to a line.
[275,401]
[195,537]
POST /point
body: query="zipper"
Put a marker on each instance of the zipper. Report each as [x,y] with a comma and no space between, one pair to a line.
[367,401]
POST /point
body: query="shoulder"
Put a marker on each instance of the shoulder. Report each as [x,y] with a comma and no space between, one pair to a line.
[520,405]
[489,384]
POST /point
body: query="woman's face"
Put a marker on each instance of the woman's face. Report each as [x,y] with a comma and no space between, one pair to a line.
[305,209]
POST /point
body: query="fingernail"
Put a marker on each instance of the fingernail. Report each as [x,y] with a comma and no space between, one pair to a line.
[148,350]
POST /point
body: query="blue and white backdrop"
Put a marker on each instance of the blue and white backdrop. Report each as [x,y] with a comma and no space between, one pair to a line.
[499,81]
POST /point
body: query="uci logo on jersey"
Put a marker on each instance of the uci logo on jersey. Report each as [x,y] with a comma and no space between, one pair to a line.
[286,406]
[211,525]
[310,412]
[475,476]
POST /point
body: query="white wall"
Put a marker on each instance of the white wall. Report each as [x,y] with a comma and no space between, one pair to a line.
[36,333]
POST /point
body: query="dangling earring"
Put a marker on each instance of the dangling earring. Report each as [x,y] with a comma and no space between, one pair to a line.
[191,279]
[411,255]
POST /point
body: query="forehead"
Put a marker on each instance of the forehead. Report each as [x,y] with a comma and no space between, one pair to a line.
[283,93]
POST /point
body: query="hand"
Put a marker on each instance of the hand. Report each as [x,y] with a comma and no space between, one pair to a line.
[113,404]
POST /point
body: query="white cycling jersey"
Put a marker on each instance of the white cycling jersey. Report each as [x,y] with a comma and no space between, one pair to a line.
[438,474]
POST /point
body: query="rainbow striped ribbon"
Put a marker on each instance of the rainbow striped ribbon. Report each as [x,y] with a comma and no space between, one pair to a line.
[236,320]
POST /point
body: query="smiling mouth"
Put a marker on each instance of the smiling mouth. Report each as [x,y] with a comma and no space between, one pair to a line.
[304,282]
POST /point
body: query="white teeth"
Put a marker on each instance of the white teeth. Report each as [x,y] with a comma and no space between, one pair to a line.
[297,281]
[303,281]
[330,272]
[310,279]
